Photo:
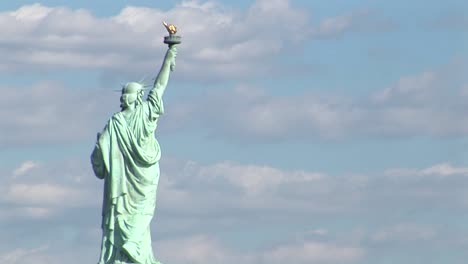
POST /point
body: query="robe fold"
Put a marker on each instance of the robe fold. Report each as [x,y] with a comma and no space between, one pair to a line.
[126,156]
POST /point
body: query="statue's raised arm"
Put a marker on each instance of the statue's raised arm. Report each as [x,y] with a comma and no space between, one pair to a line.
[168,65]
[160,83]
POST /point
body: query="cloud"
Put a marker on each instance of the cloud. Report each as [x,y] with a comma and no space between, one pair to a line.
[130,42]
[26,256]
[260,190]
[356,21]
[42,41]
[48,112]
[119,45]
[204,208]
[405,232]
[40,190]
[251,188]
[430,103]
[440,170]
[198,249]
[315,252]
[25,167]
[253,179]
[202,249]
[44,195]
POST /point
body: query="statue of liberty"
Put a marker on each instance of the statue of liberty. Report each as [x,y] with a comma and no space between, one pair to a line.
[126,156]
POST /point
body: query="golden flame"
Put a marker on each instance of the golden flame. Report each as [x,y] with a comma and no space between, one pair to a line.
[171,28]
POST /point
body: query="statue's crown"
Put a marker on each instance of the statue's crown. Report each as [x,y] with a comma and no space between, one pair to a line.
[133,87]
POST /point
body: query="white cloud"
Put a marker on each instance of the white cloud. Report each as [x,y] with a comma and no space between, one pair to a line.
[202,206]
[47,112]
[41,39]
[25,167]
[315,252]
[26,256]
[414,106]
[197,249]
[44,190]
[319,232]
[43,194]
[191,188]
[410,86]
[439,170]
[219,42]
[194,188]
[203,249]
[31,212]
[405,232]
[445,169]
[430,103]
[357,21]
[254,179]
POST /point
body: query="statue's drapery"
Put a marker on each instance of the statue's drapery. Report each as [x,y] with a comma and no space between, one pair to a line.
[126,156]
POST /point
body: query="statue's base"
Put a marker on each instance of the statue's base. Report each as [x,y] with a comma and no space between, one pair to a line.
[172,39]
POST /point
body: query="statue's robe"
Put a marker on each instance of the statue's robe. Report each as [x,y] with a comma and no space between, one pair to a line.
[126,156]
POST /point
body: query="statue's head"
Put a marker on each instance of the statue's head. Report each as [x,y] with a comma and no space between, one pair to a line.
[132,94]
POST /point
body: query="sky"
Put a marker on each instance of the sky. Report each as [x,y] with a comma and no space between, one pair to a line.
[325,132]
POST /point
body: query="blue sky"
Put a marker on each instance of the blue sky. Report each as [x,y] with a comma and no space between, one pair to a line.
[295,131]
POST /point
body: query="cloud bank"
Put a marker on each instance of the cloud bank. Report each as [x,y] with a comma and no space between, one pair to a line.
[197,203]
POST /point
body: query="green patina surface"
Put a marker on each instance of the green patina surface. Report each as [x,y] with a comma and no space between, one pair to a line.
[126,156]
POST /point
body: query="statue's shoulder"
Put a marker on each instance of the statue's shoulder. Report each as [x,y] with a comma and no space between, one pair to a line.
[116,115]
[116,118]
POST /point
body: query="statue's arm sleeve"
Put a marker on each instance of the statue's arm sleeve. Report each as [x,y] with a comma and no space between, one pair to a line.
[98,162]
[99,156]
[155,104]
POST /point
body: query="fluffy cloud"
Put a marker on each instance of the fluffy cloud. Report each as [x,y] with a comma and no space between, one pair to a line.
[47,112]
[439,170]
[255,189]
[121,43]
[405,232]
[39,190]
[202,249]
[22,255]
[198,249]
[357,21]
[431,103]
[315,252]
[202,206]
[218,42]
[25,167]
[125,42]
